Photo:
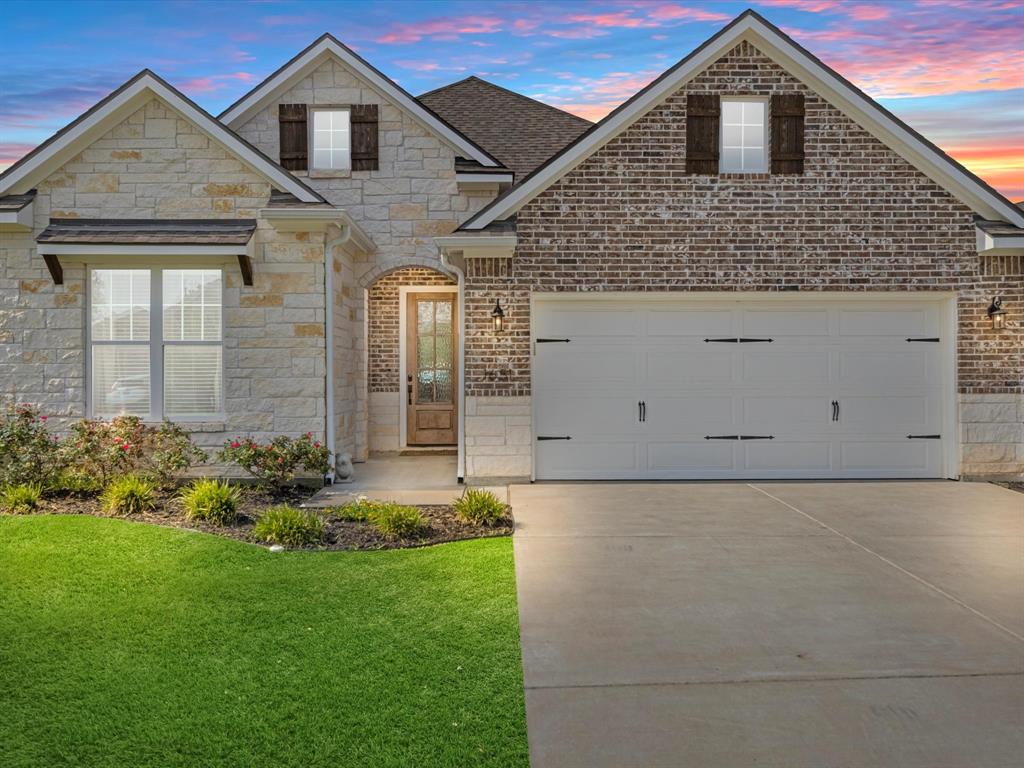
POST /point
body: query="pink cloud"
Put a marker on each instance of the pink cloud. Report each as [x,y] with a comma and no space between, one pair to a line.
[672,12]
[212,83]
[10,153]
[443,28]
[869,12]
[623,19]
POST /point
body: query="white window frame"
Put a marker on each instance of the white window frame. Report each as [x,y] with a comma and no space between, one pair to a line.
[156,343]
[763,168]
[313,169]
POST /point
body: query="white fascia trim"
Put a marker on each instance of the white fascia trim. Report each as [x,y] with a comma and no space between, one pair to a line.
[481,246]
[1000,245]
[136,94]
[386,87]
[137,250]
[17,221]
[858,107]
[466,179]
[299,220]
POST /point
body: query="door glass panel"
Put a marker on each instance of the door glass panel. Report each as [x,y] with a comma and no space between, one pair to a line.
[434,350]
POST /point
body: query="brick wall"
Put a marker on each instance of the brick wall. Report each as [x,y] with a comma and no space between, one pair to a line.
[155,164]
[382,321]
[629,218]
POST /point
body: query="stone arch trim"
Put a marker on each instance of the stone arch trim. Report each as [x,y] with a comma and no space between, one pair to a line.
[393,265]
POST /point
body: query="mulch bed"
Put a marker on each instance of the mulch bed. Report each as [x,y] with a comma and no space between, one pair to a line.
[442,523]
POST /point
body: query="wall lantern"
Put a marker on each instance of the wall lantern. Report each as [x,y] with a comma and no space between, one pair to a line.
[996,313]
[498,317]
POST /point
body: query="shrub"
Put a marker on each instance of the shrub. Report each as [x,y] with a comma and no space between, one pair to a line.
[124,445]
[479,507]
[274,464]
[129,495]
[288,525]
[73,481]
[360,510]
[27,448]
[395,521]
[212,500]
[19,499]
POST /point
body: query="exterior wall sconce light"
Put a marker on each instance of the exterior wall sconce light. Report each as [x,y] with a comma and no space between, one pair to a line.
[996,313]
[498,317]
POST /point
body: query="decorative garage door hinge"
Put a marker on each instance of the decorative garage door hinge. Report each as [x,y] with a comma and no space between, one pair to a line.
[553,341]
[924,437]
[739,437]
[933,339]
[550,437]
[740,340]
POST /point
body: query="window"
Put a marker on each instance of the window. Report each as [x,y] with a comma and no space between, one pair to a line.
[331,140]
[744,133]
[156,348]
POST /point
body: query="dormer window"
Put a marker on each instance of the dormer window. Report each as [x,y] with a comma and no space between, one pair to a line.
[332,140]
[744,136]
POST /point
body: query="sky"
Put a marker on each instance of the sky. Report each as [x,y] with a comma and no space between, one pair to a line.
[952,69]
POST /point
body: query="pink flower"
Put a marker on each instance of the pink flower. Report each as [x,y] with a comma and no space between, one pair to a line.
[42,418]
[236,444]
[316,445]
[124,447]
[281,460]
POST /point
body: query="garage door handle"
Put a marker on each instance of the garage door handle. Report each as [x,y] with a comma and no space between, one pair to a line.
[835,410]
[551,437]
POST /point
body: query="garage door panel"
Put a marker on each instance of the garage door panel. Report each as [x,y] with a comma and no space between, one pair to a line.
[898,323]
[581,415]
[587,367]
[772,366]
[792,411]
[687,415]
[588,320]
[690,365]
[786,456]
[695,455]
[889,413]
[570,459]
[694,322]
[773,322]
[884,368]
[905,457]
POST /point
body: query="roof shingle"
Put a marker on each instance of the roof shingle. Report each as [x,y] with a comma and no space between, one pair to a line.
[519,131]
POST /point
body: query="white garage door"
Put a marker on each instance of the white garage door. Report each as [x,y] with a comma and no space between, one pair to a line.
[673,388]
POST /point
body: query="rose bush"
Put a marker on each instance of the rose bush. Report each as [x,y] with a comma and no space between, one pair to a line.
[125,445]
[275,464]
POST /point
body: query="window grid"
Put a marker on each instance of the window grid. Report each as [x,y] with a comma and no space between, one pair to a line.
[743,136]
[331,140]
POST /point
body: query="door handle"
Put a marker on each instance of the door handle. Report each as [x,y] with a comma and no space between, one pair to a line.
[835,410]
[641,407]
[408,390]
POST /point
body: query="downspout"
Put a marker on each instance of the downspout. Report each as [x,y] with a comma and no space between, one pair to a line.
[330,426]
[461,469]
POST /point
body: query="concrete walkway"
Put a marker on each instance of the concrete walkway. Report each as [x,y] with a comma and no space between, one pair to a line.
[799,624]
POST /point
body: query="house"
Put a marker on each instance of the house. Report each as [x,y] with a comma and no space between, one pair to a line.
[748,269]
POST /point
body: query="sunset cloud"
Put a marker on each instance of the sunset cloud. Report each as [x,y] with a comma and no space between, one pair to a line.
[952,68]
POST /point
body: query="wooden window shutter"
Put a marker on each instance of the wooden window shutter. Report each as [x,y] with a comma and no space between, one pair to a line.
[292,121]
[702,120]
[787,133]
[365,154]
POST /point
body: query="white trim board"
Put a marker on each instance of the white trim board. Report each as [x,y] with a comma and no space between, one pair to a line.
[328,46]
[403,411]
[130,97]
[860,108]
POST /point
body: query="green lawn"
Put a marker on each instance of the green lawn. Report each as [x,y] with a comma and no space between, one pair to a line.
[125,644]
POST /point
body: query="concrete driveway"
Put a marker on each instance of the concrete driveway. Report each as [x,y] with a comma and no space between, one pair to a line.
[827,625]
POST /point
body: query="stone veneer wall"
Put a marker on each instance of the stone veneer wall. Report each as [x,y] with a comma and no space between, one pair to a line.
[158,165]
[412,198]
[859,218]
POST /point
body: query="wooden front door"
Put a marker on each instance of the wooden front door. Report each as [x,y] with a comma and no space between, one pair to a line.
[431,381]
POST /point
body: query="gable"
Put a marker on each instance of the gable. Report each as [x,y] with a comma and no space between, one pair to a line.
[802,66]
[328,48]
[153,164]
[117,107]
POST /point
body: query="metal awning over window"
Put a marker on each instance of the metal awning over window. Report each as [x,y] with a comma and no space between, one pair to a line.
[82,238]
